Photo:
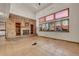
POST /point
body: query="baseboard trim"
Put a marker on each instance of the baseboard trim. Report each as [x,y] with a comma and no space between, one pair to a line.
[60,39]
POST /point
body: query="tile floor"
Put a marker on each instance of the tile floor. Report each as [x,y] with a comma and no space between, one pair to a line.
[44,47]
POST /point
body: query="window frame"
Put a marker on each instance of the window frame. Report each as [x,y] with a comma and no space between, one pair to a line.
[42,18]
[54,20]
[3,29]
[62,24]
[61,11]
[50,19]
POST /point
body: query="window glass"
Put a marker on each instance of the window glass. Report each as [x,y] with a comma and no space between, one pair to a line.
[65,25]
[50,17]
[42,20]
[2,33]
[2,28]
[58,26]
[51,26]
[58,21]
[61,14]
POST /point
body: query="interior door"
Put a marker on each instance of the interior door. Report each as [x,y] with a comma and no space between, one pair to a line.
[18,29]
[32,27]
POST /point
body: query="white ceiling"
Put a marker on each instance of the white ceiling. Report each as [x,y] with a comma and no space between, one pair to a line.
[34,7]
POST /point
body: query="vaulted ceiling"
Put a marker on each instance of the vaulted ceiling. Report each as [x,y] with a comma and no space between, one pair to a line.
[37,6]
[34,7]
[23,9]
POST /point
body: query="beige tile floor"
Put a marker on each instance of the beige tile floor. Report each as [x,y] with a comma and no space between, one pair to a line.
[44,47]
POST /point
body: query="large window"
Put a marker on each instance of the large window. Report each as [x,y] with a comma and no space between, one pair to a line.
[65,25]
[62,20]
[2,28]
[42,20]
[58,22]
[58,26]
[62,14]
[50,17]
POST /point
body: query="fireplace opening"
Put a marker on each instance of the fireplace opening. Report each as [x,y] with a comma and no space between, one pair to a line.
[25,32]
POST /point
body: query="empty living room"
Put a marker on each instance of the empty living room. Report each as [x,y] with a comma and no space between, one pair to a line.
[39,29]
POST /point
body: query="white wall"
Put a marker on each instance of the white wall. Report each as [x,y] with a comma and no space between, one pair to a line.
[22,10]
[4,10]
[73,35]
[4,14]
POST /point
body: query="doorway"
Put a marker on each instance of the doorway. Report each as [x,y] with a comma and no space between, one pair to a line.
[32,27]
[18,29]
